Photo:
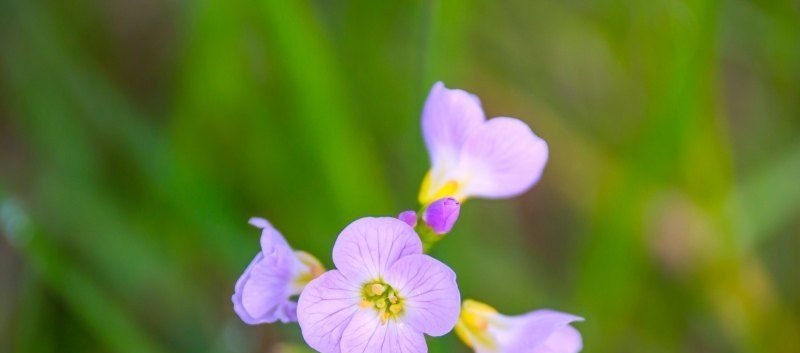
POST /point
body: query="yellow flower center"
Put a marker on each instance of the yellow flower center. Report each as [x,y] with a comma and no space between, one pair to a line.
[383,298]
[473,324]
[429,192]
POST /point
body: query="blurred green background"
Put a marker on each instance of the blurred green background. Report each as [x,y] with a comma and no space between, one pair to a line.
[137,138]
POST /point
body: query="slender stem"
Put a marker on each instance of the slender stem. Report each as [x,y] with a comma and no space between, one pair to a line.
[426,234]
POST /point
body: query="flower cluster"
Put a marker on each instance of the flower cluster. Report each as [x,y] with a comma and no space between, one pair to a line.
[385,293]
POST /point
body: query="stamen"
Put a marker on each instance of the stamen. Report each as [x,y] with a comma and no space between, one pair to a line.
[377,289]
[395,309]
[383,298]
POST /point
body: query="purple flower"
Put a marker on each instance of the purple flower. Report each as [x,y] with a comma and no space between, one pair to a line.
[475,157]
[262,294]
[542,331]
[382,296]
[442,214]
[409,217]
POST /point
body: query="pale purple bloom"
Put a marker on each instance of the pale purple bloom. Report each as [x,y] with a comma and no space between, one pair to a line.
[382,296]
[474,157]
[262,294]
[442,214]
[409,217]
[542,331]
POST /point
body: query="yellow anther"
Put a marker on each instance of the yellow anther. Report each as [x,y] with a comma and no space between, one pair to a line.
[381,297]
[377,289]
[395,308]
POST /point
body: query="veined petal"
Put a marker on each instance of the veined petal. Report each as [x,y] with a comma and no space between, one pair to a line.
[541,329]
[503,158]
[366,333]
[366,248]
[325,308]
[430,295]
[448,118]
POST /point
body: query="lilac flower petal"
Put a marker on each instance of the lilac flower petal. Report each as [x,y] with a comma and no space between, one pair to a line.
[259,222]
[448,118]
[261,294]
[565,340]
[503,158]
[409,217]
[431,299]
[272,242]
[534,330]
[441,215]
[325,308]
[288,312]
[238,305]
[366,333]
[366,248]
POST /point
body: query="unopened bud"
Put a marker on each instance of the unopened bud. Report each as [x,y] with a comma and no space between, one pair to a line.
[409,217]
[442,214]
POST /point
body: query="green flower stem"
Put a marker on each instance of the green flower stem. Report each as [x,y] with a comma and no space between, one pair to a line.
[426,234]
